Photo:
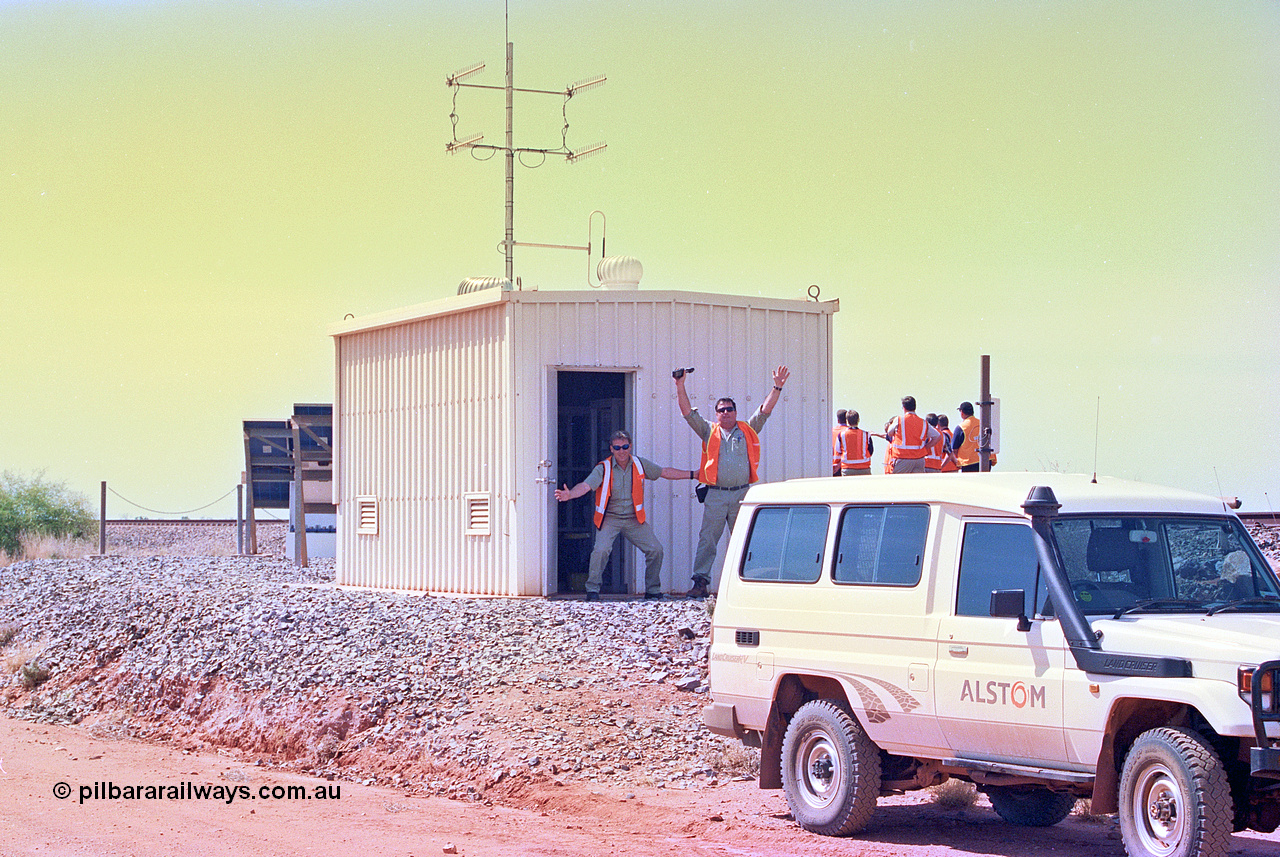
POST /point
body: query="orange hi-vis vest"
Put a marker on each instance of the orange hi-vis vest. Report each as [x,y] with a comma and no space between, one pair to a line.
[708,470]
[910,435]
[935,454]
[637,490]
[968,452]
[856,456]
[837,447]
[948,462]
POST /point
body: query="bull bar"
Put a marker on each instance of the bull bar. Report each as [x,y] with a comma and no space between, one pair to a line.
[1264,758]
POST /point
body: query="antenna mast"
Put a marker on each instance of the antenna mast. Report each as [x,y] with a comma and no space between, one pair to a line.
[510,233]
[1097,424]
[510,150]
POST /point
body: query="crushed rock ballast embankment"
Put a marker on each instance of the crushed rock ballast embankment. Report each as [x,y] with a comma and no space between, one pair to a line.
[469,698]
[454,696]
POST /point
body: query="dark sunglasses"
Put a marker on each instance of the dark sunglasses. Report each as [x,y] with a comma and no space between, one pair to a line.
[622,447]
[725,410]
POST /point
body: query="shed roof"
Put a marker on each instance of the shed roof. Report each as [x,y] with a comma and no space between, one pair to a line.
[491,297]
[1000,493]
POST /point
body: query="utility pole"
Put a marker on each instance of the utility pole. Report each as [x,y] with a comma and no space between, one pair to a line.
[984,408]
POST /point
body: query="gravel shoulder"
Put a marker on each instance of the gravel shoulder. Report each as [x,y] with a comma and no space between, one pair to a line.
[446,696]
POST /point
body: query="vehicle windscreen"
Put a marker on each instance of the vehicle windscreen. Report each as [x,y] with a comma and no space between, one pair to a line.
[1164,564]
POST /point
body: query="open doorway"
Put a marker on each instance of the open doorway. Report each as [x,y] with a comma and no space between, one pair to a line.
[590,407]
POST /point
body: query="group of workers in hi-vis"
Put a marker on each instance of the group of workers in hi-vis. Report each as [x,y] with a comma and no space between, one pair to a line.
[916,444]
[730,464]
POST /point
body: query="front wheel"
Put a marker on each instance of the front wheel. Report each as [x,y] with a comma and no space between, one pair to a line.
[830,770]
[1175,800]
[1030,806]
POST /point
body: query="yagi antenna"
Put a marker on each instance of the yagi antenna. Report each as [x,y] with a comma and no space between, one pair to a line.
[464,143]
[463,74]
[589,83]
[586,152]
[510,150]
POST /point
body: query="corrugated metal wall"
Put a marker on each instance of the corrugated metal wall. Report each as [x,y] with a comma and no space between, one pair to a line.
[734,346]
[423,412]
[460,401]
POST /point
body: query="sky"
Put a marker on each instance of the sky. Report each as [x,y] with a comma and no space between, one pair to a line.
[192,193]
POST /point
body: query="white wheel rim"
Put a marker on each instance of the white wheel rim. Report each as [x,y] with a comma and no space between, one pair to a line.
[818,769]
[1158,810]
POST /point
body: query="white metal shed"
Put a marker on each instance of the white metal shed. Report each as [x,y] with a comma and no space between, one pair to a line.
[454,420]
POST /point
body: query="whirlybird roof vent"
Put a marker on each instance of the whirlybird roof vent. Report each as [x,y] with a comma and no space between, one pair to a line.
[620,272]
[478,284]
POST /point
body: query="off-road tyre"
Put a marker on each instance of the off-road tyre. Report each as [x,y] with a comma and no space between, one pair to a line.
[830,769]
[1174,797]
[1030,806]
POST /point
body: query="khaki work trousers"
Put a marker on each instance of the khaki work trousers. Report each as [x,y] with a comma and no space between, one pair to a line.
[640,535]
[720,508]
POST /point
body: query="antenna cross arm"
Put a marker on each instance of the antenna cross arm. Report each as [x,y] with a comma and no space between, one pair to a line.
[504,89]
[552,246]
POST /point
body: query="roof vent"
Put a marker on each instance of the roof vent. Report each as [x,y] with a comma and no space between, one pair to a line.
[620,272]
[478,284]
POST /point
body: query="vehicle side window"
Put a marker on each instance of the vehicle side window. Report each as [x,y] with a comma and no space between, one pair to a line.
[995,556]
[786,543]
[881,545]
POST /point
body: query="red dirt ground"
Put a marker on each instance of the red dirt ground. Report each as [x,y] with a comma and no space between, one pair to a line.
[575,820]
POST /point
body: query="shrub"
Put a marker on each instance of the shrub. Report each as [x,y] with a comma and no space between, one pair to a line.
[35,507]
[33,674]
[1084,810]
[52,547]
[735,760]
[26,660]
[955,794]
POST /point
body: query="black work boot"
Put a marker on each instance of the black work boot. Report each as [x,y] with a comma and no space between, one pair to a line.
[699,589]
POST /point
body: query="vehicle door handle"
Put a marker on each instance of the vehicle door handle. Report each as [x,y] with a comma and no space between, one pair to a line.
[959,651]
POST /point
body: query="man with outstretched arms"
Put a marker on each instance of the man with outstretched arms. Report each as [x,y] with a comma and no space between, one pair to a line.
[619,508]
[730,463]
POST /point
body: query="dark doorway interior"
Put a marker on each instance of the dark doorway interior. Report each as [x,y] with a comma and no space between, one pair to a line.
[592,406]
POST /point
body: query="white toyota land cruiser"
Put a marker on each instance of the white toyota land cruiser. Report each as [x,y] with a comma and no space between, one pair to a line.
[1042,635]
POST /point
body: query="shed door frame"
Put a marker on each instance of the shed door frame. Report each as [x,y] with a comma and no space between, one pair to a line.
[623,561]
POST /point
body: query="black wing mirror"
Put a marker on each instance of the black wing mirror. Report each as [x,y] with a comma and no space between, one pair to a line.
[1008,604]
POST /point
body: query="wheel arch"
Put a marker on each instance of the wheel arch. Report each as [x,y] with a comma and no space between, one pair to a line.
[1128,718]
[792,691]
